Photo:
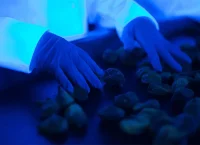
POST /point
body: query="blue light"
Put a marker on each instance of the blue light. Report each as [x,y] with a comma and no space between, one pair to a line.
[66,17]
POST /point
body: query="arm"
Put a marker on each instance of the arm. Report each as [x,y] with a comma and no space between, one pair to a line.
[18,41]
[122,12]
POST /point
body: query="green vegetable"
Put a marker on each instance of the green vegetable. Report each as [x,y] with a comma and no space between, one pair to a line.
[111,113]
[63,98]
[181,96]
[54,125]
[48,107]
[148,104]
[76,116]
[193,108]
[151,112]
[186,124]
[135,125]
[113,77]
[151,77]
[159,120]
[141,71]
[168,135]
[159,89]
[181,82]
[126,101]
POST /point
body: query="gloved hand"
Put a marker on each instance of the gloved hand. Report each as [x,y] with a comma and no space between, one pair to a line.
[68,63]
[143,31]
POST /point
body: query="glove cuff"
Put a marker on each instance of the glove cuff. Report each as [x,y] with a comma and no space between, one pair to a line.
[47,41]
[131,25]
[128,34]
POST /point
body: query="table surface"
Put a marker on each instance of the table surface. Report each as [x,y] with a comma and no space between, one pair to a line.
[19,115]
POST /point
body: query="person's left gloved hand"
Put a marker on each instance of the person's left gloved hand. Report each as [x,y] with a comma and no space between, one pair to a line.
[71,65]
[143,31]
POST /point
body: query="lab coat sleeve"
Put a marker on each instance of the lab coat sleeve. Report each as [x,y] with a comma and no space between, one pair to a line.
[18,41]
[122,12]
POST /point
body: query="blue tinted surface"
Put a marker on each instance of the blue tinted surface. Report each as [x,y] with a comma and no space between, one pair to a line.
[66,17]
[18,118]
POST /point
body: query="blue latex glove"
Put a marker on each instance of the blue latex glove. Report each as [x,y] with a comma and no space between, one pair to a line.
[143,31]
[70,64]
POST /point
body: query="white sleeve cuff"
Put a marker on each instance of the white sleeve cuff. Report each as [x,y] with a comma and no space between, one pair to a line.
[130,11]
[18,41]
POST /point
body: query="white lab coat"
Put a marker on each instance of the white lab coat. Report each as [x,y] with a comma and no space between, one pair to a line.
[23,22]
[168,9]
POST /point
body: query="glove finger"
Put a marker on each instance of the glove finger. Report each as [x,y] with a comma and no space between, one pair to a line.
[176,52]
[89,74]
[91,63]
[154,58]
[75,76]
[152,54]
[64,81]
[167,57]
[130,44]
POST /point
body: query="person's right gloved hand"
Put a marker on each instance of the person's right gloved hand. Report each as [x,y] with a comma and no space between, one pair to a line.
[143,31]
[70,64]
